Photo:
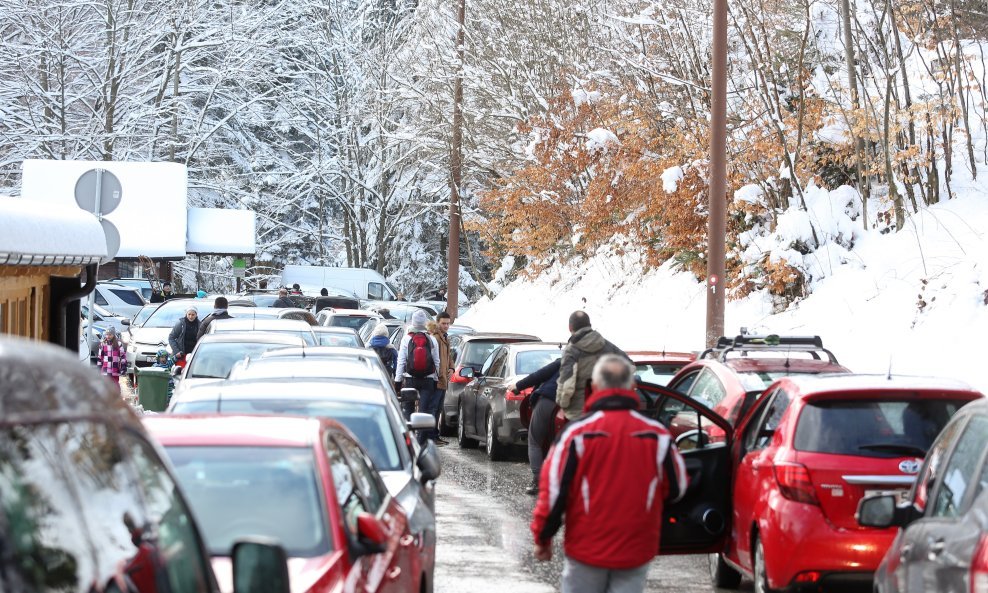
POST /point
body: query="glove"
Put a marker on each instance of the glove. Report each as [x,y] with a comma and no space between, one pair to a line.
[515,390]
[397,387]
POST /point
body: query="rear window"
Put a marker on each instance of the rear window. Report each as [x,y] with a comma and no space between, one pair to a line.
[888,428]
[131,297]
[477,351]
[529,361]
[657,373]
[353,322]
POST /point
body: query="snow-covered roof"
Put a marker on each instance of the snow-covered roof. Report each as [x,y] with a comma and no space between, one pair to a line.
[217,231]
[32,234]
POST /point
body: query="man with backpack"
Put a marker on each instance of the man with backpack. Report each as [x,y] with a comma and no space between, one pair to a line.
[418,363]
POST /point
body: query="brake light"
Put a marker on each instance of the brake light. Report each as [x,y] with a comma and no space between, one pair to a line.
[459,379]
[810,576]
[979,567]
[511,397]
[794,482]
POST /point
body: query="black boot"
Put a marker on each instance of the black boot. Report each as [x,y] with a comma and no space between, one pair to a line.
[533,488]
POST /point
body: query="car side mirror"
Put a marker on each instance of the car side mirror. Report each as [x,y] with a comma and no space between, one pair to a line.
[259,566]
[421,421]
[429,463]
[372,533]
[125,322]
[468,373]
[408,395]
[878,511]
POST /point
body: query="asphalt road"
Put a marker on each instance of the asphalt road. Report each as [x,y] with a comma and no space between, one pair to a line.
[484,540]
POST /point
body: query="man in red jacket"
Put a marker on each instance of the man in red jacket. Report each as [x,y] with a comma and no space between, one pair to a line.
[609,473]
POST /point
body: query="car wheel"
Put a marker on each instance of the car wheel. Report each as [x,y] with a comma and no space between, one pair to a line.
[721,573]
[495,450]
[444,428]
[462,439]
[759,574]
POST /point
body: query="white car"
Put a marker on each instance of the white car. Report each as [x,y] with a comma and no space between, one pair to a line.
[293,327]
[352,318]
[215,354]
[118,299]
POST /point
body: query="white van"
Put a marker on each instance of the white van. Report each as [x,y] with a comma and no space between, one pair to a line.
[361,282]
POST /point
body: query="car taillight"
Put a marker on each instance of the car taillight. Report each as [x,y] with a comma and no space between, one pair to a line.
[457,378]
[511,397]
[794,482]
[979,567]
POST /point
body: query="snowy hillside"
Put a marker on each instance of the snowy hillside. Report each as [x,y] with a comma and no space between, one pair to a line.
[916,298]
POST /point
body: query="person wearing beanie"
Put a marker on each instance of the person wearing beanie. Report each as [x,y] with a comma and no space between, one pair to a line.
[385,351]
[219,312]
[417,368]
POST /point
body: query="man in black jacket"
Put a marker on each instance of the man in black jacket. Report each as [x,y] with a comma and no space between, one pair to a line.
[219,312]
[542,403]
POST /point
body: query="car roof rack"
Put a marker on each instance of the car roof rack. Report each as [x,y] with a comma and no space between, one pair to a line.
[768,343]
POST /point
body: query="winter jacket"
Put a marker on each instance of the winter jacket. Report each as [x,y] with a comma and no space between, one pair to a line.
[445,369]
[112,360]
[400,374]
[182,330]
[204,326]
[584,349]
[386,352]
[607,476]
[284,303]
[544,380]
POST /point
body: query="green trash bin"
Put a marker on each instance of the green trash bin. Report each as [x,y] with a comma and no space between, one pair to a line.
[152,388]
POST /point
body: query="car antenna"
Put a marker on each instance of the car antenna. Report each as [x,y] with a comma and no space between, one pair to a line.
[889,376]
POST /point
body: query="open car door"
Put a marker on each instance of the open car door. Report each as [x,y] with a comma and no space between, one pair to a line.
[699,523]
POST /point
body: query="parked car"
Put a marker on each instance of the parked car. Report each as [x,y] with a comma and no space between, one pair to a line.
[807,452]
[366,331]
[347,390]
[302,482]
[141,284]
[488,410]
[659,368]
[145,341]
[215,354]
[941,541]
[729,377]
[364,283]
[467,350]
[142,315]
[292,327]
[337,336]
[460,330]
[118,299]
[88,503]
[352,318]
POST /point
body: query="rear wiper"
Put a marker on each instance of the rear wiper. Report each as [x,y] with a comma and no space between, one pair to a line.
[895,448]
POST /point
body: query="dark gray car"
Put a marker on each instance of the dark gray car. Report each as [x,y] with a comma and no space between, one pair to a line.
[943,541]
[470,350]
[489,411]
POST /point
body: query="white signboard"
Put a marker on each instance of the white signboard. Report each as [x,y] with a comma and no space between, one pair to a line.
[151,215]
[218,231]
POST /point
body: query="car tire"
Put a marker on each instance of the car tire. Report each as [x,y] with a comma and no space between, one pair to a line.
[722,575]
[444,427]
[759,574]
[462,439]
[496,451]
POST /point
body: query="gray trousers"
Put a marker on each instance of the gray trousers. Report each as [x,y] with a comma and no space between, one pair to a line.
[583,578]
[539,429]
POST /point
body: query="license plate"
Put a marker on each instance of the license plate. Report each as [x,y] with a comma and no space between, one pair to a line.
[149,359]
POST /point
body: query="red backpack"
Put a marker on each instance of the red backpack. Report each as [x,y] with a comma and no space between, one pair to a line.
[419,359]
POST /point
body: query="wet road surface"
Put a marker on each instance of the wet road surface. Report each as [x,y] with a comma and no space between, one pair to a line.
[485,544]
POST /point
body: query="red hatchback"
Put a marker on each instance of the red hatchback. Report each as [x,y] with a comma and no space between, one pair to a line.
[303,482]
[805,454]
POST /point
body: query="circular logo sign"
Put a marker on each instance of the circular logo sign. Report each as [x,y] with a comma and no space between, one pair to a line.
[910,466]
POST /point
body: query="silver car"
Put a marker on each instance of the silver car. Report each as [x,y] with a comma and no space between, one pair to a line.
[215,354]
[349,391]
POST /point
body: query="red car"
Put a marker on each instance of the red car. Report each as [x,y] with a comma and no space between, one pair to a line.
[728,378]
[804,456]
[303,482]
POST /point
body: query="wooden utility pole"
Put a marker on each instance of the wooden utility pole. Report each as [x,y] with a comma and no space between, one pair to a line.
[456,170]
[717,219]
[852,85]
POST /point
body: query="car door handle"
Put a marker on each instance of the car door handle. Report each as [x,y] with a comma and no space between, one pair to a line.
[936,548]
[905,553]
[394,573]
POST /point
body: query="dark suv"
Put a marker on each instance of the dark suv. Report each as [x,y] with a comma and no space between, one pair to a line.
[86,504]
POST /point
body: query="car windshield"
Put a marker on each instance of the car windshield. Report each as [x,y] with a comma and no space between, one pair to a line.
[213,360]
[760,380]
[335,339]
[143,315]
[887,428]
[168,314]
[529,361]
[368,422]
[129,296]
[657,373]
[231,490]
[351,321]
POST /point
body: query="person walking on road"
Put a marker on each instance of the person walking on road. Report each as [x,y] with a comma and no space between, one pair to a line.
[542,403]
[607,477]
[219,312]
[111,358]
[439,331]
[418,363]
[385,351]
[185,334]
[283,302]
[584,349]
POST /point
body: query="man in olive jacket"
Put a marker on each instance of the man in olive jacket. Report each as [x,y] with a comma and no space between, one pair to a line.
[584,349]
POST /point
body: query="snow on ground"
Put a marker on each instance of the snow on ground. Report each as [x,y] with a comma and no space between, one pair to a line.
[914,300]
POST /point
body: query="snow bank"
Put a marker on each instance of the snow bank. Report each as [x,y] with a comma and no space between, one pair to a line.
[915,300]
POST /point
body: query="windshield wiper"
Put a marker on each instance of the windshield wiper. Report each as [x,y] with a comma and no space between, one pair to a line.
[895,448]
[206,377]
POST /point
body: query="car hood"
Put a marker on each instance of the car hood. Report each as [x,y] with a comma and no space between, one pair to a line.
[303,573]
[149,335]
[417,500]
